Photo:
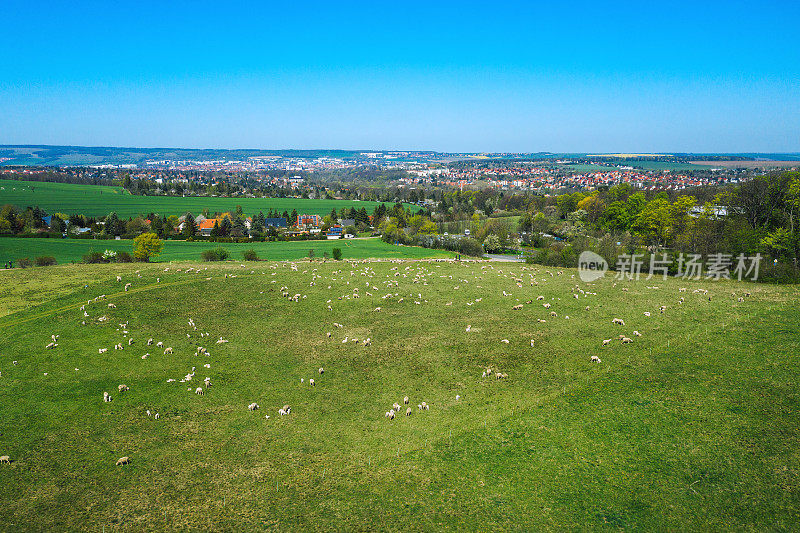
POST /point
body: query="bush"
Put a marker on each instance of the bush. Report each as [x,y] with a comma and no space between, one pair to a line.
[215,254]
[45,260]
[337,253]
[250,255]
[94,257]
[124,257]
[25,262]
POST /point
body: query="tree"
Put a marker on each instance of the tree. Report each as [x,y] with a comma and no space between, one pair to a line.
[57,224]
[654,222]
[113,226]
[491,243]
[189,226]
[146,246]
[337,253]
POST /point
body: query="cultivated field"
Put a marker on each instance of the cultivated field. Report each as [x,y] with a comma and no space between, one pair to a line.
[749,164]
[692,426]
[99,200]
[73,250]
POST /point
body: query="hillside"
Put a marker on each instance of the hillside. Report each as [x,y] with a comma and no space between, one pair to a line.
[690,426]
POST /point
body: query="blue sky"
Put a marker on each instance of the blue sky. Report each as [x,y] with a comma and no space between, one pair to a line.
[448,76]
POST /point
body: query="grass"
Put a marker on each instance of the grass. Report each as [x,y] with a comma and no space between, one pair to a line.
[73,250]
[99,200]
[691,427]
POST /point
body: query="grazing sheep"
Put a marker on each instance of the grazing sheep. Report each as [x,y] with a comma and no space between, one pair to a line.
[469,327]
[321,371]
[119,278]
[157,416]
[390,415]
[159,344]
[253,406]
[282,412]
[553,314]
[424,406]
[396,407]
[546,305]
[408,412]
[130,341]
[148,413]
[458,397]
[618,321]
[168,351]
[606,342]
[626,340]
[647,313]
[405,400]
[517,307]
[5,459]
[199,390]
[150,341]
[636,333]
[102,350]
[419,406]
[123,461]
[329,334]
[51,345]
[504,341]
[311,382]
[112,306]
[123,388]
[595,359]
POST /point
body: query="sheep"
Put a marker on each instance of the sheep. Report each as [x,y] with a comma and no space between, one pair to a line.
[595,359]
[390,415]
[112,306]
[199,390]
[419,406]
[51,346]
[647,313]
[119,279]
[321,371]
[405,400]
[517,307]
[504,341]
[157,416]
[329,334]
[458,397]
[5,459]
[150,341]
[102,350]
[424,406]
[408,412]
[123,461]
[311,382]
[159,344]
[168,351]
[282,412]
[546,305]
[539,298]
[106,397]
[469,327]
[148,413]
[553,314]
[253,406]
[145,356]
[123,388]
[606,342]
[396,407]
[636,333]
[368,342]
[626,340]
[618,321]
[130,341]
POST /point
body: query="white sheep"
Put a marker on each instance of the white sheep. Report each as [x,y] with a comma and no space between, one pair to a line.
[102,350]
[168,351]
[311,382]
[123,388]
[150,341]
[626,340]
[408,412]
[606,342]
[5,459]
[157,416]
[636,333]
[595,359]
[390,415]
[199,390]
[159,344]
[106,397]
[253,406]
[405,400]
[321,371]
[123,461]
[618,321]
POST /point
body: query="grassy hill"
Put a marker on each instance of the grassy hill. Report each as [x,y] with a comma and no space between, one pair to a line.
[99,200]
[73,250]
[693,426]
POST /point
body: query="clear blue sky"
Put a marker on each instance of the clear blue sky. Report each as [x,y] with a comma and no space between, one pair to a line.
[694,76]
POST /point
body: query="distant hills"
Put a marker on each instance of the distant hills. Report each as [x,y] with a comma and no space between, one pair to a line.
[62,156]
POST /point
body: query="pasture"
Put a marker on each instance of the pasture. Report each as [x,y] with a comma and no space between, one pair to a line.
[73,250]
[692,426]
[99,200]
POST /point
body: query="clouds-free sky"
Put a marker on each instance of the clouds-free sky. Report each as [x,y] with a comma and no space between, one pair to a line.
[450,76]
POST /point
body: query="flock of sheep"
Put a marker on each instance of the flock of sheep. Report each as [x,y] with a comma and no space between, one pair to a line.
[363,281]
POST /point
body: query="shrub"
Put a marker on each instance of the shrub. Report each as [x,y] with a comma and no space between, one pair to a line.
[94,257]
[337,253]
[45,260]
[25,262]
[215,254]
[250,255]
[124,257]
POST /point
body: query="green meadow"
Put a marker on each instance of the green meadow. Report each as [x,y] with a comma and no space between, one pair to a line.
[99,200]
[73,250]
[692,426]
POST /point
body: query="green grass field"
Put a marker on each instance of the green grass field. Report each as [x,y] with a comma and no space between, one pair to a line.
[99,200]
[693,426]
[73,250]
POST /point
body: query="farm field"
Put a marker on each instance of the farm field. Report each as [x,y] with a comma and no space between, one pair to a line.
[73,250]
[692,426]
[99,200]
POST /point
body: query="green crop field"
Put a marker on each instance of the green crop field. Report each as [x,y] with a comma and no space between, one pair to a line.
[73,250]
[692,426]
[99,200]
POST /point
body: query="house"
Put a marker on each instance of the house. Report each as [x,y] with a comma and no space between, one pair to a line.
[304,221]
[205,226]
[334,232]
[347,222]
[279,222]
